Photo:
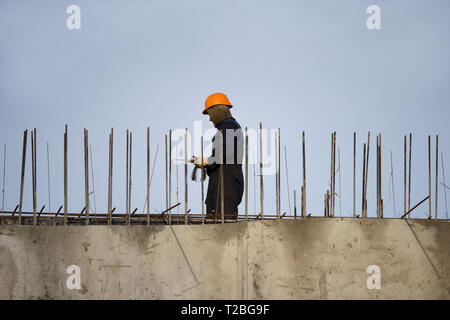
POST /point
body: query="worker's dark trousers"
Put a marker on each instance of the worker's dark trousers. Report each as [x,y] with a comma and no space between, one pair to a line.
[233,191]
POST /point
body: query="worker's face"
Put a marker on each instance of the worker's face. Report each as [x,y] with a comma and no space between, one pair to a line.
[210,114]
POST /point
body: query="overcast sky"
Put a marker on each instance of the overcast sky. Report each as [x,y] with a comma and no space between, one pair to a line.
[294,65]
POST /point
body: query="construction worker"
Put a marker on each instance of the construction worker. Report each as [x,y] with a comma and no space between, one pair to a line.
[217,106]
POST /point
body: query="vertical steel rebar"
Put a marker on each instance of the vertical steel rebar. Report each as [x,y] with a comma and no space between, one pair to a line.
[148,175]
[295,205]
[22,176]
[429,177]
[177,194]
[409,179]
[167,174]
[331,173]
[340,191]
[363,182]
[378,178]
[393,189]
[367,175]
[246,173]
[276,174]
[354,174]
[444,186]
[404,177]
[130,180]
[170,171]
[381,178]
[222,178]
[48,178]
[202,182]
[279,172]
[92,178]
[185,178]
[4,171]
[303,190]
[86,174]
[110,174]
[287,180]
[33,174]
[254,182]
[437,164]
[260,172]
[126,175]
[65,176]
[334,174]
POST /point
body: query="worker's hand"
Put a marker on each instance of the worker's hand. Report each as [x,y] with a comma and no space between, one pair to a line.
[200,162]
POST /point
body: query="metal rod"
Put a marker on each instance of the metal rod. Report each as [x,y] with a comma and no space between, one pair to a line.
[126,174]
[33,177]
[279,172]
[363,181]
[303,195]
[354,174]
[170,171]
[167,174]
[437,165]
[153,170]
[129,178]
[86,175]
[334,174]
[393,189]
[176,151]
[185,178]
[331,171]
[444,186]
[277,169]
[367,174]
[58,211]
[65,176]
[404,176]
[380,175]
[429,176]
[4,171]
[222,178]
[254,182]
[287,179]
[295,205]
[202,186]
[22,176]
[378,178]
[340,194]
[246,173]
[409,179]
[148,175]
[409,211]
[48,177]
[110,175]
[260,172]
[92,177]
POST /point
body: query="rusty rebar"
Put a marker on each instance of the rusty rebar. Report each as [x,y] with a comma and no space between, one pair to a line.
[22,176]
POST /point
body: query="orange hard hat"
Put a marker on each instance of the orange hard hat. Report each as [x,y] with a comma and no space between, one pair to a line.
[215,99]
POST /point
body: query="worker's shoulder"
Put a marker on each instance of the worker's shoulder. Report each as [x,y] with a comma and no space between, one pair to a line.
[230,123]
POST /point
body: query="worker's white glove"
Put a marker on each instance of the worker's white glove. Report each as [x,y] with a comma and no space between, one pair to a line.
[200,162]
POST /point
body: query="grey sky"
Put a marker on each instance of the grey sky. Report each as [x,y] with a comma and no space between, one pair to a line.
[297,65]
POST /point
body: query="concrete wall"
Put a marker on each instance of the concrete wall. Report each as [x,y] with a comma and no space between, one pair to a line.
[316,258]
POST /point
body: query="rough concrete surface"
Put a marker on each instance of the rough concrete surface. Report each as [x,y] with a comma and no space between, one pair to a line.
[315,258]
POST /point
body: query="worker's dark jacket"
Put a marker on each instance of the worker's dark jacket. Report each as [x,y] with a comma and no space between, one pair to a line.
[232,169]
